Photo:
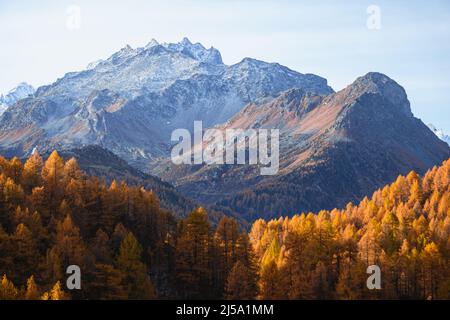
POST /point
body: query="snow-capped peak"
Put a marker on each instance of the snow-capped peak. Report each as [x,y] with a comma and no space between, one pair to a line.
[151,44]
[196,51]
[186,41]
[123,54]
[22,90]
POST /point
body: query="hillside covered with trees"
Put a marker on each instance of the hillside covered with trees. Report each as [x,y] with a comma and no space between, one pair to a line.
[52,215]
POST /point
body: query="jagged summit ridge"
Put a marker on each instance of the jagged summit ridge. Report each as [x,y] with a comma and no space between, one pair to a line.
[132,101]
[197,51]
[22,90]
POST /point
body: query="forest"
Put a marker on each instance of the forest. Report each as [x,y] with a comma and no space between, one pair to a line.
[53,215]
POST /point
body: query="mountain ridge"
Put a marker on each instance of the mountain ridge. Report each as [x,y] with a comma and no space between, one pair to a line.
[149,91]
[334,146]
[333,150]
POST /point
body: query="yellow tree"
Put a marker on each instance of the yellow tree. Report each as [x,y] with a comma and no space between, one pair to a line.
[72,170]
[53,176]
[15,169]
[32,291]
[270,282]
[56,293]
[13,194]
[32,169]
[7,289]
[69,248]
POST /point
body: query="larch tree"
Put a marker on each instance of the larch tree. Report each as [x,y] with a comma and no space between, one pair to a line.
[69,243]
[57,293]
[270,284]
[239,284]
[107,283]
[225,240]
[26,254]
[31,176]
[53,176]
[193,248]
[32,291]
[7,289]
[136,279]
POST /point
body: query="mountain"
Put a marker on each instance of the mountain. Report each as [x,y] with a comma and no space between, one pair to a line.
[333,149]
[440,134]
[131,102]
[22,90]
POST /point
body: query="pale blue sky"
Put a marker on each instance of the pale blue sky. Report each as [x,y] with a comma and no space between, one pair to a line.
[330,39]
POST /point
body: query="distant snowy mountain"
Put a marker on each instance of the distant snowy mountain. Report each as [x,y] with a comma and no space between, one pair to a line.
[441,135]
[22,90]
[197,51]
[130,71]
[3,107]
[132,101]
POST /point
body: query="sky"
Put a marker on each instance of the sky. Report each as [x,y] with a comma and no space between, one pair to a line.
[340,40]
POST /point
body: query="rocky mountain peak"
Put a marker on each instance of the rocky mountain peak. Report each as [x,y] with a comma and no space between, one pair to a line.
[196,51]
[186,42]
[380,84]
[122,54]
[334,148]
[147,91]
[152,43]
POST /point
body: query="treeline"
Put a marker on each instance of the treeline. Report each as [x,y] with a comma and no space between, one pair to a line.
[404,229]
[52,215]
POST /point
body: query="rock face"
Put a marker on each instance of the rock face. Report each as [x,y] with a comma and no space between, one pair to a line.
[131,102]
[333,149]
